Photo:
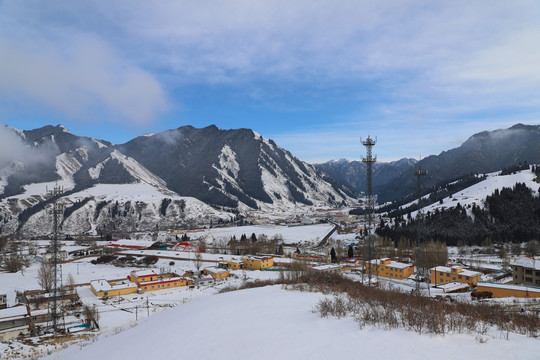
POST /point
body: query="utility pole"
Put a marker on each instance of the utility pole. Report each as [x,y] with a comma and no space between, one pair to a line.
[147,308]
[369,160]
[57,210]
[419,173]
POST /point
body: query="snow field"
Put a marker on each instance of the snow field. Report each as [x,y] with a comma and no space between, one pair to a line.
[272,323]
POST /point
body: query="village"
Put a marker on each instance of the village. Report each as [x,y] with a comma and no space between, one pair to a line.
[110,284]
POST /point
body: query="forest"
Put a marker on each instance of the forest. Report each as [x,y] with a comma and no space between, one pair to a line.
[511,215]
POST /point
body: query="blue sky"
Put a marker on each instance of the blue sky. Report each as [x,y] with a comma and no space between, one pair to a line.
[315,76]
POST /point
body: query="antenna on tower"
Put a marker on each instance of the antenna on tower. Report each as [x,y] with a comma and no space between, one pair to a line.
[57,210]
[419,173]
[369,160]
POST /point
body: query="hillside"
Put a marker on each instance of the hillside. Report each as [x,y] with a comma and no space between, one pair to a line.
[272,323]
[482,153]
[500,208]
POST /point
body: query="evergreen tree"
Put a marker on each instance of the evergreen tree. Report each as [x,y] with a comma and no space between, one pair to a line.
[333,255]
[350,252]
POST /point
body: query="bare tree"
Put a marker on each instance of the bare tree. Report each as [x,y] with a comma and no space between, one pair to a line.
[532,248]
[14,263]
[45,276]
[197,261]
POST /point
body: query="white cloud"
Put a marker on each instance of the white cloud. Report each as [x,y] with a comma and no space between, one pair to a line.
[80,76]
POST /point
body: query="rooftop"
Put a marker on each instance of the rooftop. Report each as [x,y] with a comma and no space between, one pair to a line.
[139,273]
[527,262]
[104,285]
[465,272]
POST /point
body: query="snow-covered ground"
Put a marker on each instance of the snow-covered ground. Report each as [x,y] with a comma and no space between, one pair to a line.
[270,323]
[291,234]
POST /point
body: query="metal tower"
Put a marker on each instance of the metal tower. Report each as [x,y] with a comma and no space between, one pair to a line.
[369,143]
[419,173]
[56,269]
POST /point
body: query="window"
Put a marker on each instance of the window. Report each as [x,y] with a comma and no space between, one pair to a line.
[459,276]
[442,274]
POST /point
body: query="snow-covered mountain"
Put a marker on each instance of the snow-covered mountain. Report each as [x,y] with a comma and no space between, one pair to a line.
[165,179]
[234,168]
[484,152]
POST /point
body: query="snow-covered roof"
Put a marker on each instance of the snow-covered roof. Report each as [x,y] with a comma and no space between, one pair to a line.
[465,272]
[104,285]
[326,267]
[527,262]
[453,286]
[260,258]
[394,264]
[13,312]
[509,287]
[140,273]
[215,270]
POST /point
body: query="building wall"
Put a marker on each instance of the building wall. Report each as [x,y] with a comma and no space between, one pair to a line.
[443,277]
[258,264]
[525,276]
[235,265]
[387,270]
[161,285]
[114,292]
[501,292]
[141,279]
[216,275]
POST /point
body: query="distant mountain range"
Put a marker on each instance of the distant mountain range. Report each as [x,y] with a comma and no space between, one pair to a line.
[210,171]
[228,169]
[482,153]
[353,173]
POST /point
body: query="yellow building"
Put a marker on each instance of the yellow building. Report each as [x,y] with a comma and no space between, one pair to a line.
[444,274]
[140,276]
[258,262]
[234,264]
[165,283]
[216,273]
[508,290]
[390,269]
[112,288]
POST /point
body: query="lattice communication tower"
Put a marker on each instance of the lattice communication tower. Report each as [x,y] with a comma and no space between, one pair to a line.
[369,160]
[56,269]
[419,173]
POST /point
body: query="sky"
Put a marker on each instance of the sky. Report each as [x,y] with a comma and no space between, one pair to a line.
[315,76]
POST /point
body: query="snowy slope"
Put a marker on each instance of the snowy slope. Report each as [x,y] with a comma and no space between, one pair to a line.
[477,193]
[271,323]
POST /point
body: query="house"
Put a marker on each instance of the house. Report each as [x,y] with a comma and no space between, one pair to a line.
[388,268]
[20,316]
[526,271]
[454,287]
[141,276]
[258,262]
[216,273]
[232,264]
[204,281]
[165,283]
[508,290]
[107,288]
[62,256]
[444,274]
